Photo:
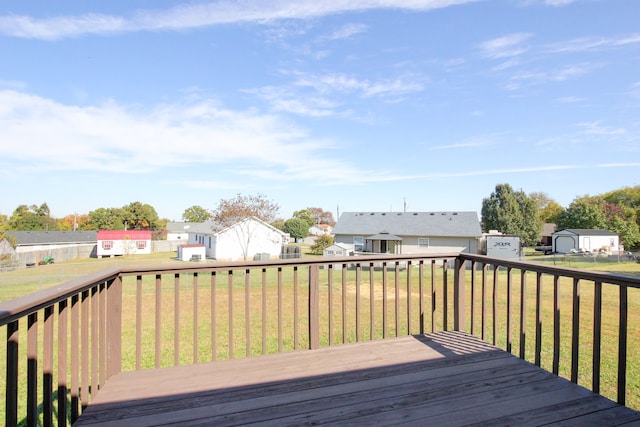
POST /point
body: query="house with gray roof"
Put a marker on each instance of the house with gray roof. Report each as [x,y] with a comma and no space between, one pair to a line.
[31,247]
[409,232]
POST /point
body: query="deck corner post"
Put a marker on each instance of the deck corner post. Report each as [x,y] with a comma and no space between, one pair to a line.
[314,306]
[459,320]
[114,326]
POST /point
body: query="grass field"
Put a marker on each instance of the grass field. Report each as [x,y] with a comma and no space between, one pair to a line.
[192,297]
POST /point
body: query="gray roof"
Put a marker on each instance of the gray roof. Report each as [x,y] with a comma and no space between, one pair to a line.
[26,238]
[441,224]
[181,227]
[588,232]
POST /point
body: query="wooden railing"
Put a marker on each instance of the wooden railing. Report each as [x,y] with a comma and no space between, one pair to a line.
[64,343]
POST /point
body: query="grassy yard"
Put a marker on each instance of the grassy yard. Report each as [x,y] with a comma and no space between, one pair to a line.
[229,302]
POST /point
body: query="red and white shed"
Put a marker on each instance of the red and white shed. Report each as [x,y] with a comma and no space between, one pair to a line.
[123,242]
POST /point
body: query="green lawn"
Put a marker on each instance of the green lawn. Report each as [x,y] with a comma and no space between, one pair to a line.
[198,297]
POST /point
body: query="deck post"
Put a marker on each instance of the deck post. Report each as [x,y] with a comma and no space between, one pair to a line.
[314,306]
[114,327]
[459,320]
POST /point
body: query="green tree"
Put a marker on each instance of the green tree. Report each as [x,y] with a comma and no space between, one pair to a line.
[28,218]
[627,197]
[297,228]
[305,215]
[584,212]
[512,212]
[107,219]
[548,209]
[196,214]
[231,211]
[140,216]
[321,243]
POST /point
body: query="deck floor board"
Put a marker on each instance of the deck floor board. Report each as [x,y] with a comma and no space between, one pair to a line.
[447,378]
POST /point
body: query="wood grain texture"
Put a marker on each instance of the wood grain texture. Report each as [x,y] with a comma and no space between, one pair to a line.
[447,378]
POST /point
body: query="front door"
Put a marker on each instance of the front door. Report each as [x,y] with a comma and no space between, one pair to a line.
[383,246]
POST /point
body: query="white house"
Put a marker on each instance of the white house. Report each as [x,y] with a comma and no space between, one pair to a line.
[409,232]
[243,240]
[564,241]
[178,230]
[338,249]
[320,229]
[123,242]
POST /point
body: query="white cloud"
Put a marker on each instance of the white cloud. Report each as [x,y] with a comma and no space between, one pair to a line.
[190,16]
[505,47]
[584,44]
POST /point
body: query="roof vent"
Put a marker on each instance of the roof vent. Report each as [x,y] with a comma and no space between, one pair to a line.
[415,214]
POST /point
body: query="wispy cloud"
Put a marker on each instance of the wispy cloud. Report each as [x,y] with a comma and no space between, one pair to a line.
[191,16]
[505,47]
[585,44]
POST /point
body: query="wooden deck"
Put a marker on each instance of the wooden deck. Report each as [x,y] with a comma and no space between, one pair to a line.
[447,378]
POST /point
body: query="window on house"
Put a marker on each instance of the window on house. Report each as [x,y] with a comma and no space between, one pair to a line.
[330,253]
[107,244]
[141,244]
[358,243]
[423,242]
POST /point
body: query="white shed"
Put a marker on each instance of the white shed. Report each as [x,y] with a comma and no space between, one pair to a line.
[586,240]
[192,252]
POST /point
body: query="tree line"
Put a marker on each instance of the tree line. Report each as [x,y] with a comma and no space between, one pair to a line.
[506,210]
[516,213]
[142,216]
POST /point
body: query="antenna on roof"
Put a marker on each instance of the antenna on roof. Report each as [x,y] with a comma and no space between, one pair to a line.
[404,199]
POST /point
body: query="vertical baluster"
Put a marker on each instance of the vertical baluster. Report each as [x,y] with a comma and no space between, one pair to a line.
[385,305]
[330,300]
[295,308]
[314,306]
[433,295]
[575,331]
[279,309]
[138,322]
[47,368]
[344,303]
[75,332]
[158,309]
[11,415]
[84,349]
[473,298]
[523,312]
[509,309]
[247,308]
[372,322]
[538,356]
[495,305]
[196,341]
[409,323]
[358,279]
[622,345]
[445,296]
[556,325]
[264,311]
[396,280]
[63,331]
[230,320]
[214,341]
[176,319]
[102,336]
[597,336]
[32,370]
[421,290]
[485,268]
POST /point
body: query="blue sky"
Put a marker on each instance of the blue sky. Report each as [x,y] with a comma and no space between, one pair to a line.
[347,105]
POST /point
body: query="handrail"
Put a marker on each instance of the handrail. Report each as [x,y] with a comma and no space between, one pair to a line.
[230,305]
